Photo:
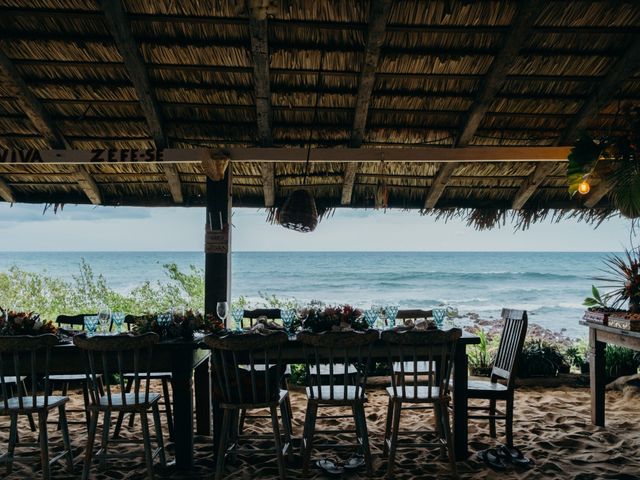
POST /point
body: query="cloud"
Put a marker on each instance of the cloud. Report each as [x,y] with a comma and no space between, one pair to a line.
[23,213]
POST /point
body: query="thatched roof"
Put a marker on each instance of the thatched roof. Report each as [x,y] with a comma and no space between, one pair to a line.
[85,74]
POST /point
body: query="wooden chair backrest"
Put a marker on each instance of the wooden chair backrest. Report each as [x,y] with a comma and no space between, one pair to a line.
[510,347]
[247,368]
[253,315]
[113,356]
[409,348]
[331,348]
[72,320]
[19,355]
[413,314]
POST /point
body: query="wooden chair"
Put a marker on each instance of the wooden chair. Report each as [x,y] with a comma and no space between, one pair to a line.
[12,390]
[501,385]
[240,385]
[113,356]
[25,354]
[254,315]
[422,366]
[163,377]
[436,346]
[335,390]
[72,322]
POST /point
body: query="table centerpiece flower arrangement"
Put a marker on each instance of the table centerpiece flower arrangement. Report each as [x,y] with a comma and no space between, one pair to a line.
[180,325]
[334,319]
[24,323]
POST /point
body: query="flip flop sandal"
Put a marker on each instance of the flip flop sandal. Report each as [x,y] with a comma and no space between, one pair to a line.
[515,456]
[330,467]
[492,458]
[354,462]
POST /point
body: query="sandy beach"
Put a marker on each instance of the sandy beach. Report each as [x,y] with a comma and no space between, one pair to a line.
[551,426]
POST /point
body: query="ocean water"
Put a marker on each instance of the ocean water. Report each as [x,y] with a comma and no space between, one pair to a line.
[551,286]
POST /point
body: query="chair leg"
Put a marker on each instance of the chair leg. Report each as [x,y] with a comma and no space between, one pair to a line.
[492,418]
[32,423]
[65,437]
[307,437]
[509,420]
[167,406]
[146,438]
[243,416]
[285,412]
[224,440]
[106,426]
[85,397]
[91,437]
[118,427]
[289,407]
[361,426]
[393,442]
[44,445]
[13,439]
[437,415]
[278,441]
[65,391]
[159,439]
[449,436]
[387,428]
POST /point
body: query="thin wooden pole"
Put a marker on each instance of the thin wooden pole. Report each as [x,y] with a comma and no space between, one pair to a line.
[217,275]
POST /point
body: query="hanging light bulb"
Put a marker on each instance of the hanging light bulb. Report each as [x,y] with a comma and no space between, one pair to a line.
[584,187]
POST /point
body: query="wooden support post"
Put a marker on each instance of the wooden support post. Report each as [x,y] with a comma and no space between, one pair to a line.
[217,274]
[597,377]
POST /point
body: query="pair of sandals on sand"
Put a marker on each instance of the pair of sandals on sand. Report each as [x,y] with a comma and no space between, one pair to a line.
[335,468]
[502,457]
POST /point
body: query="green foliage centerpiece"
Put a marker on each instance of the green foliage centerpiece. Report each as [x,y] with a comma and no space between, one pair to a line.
[181,326]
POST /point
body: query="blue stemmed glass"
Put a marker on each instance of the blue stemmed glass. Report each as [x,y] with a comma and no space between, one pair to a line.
[118,320]
[438,316]
[288,315]
[164,320]
[392,313]
[371,316]
[91,324]
[237,313]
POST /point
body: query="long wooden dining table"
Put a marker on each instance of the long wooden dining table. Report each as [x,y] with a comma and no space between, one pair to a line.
[188,362]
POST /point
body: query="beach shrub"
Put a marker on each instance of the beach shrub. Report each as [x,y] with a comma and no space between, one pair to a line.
[481,355]
[620,361]
[540,358]
[577,355]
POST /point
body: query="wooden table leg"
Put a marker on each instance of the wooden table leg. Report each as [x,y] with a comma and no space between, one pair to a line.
[216,411]
[460,404]
[182,385]
[203,398]
[597,377]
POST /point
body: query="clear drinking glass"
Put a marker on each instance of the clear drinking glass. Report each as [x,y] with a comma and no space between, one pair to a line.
[118,320]
[104,317]
[91,324]
[392,313]
[438,316]
[222,310]
[237,313]
[288,315]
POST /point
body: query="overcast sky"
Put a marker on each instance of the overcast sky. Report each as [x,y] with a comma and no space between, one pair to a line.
[88,228]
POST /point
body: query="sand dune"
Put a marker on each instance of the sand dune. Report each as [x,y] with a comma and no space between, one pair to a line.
[552,426]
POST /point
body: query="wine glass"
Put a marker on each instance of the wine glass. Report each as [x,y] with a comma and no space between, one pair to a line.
[288,314]
[118,320]
[392,313]
[371,316]
[237,313]
[438,316]
[104,317]
[222,310]
[164,320]
[91,324]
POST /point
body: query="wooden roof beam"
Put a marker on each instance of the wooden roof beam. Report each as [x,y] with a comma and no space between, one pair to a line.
[439,184]
[6,192]
[623,69]
[526,14]
[88,185]
[597,193]
[259,30]
[120,28]
[378,17]
[530,185]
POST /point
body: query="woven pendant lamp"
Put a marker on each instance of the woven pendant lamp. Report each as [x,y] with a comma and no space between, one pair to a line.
[299,212]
